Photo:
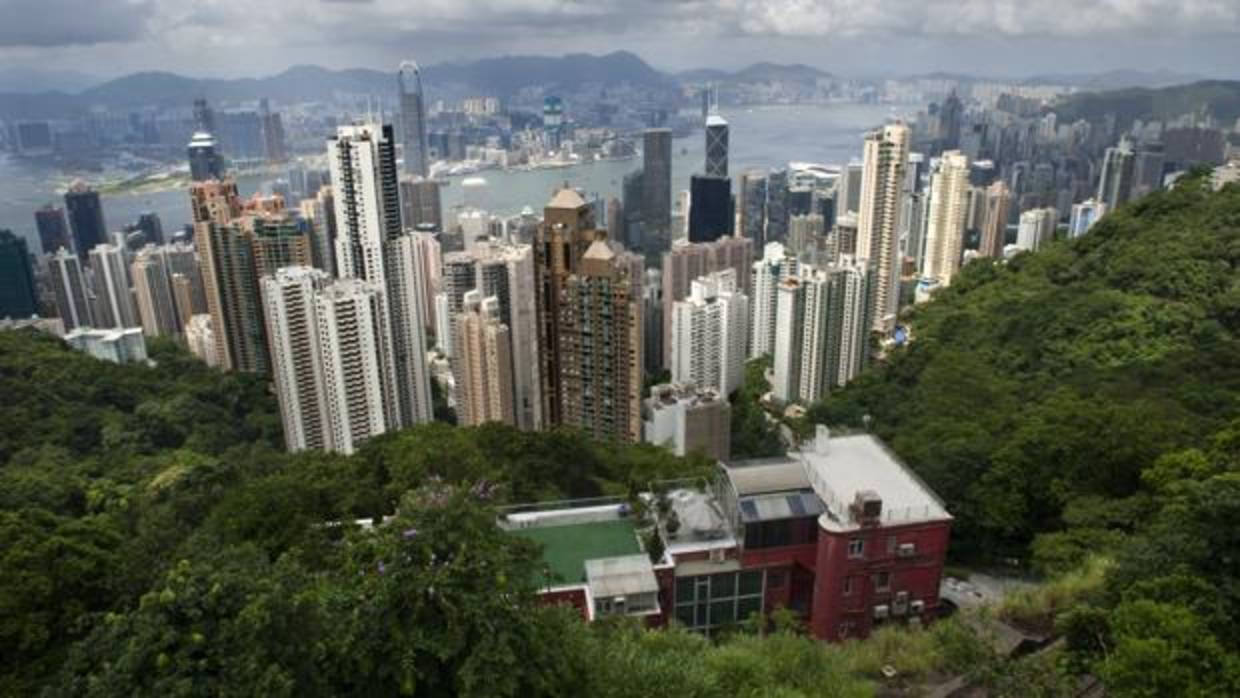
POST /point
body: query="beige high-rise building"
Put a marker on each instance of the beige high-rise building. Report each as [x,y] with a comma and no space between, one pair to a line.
[158,271]
[214,205]
[998,205]
[484,382]
[600,346]
[945,227]
[878,218]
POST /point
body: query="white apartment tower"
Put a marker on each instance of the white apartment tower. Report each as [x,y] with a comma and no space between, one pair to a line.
[370,246]
[878,217]
[709,332]
[289,299]
[358,362]
[73,298]
[114,306]
[774,267]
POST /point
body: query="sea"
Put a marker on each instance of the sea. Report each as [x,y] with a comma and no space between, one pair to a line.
[759,137]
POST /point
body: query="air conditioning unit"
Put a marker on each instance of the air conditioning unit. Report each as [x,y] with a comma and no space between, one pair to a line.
[718,555]
[917,607]
[906,550]
[881,612]
[900,605]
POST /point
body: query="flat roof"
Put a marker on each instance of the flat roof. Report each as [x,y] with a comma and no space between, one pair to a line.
[567,548]
[858,463]
[621,576]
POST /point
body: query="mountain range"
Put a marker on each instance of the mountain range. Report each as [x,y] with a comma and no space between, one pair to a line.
[76,92]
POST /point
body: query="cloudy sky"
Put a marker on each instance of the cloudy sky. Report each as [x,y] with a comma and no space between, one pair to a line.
[852,37]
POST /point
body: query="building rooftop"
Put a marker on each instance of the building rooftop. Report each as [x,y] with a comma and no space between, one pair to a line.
[566,198]
[567,547]
[842,467]
[628,575]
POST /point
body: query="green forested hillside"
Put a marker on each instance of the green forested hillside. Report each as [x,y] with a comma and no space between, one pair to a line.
[1085,400]
[1221,98]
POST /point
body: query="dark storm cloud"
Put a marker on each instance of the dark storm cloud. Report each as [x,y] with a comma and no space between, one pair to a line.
[52,23]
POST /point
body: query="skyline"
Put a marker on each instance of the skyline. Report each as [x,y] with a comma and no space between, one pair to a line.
[878,38]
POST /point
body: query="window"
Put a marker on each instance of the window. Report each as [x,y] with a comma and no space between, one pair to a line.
[882,581]
[891,545]
[848,586]
[707,602]
[856,548]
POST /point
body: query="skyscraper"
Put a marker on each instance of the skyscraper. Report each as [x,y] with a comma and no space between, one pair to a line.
[370,245]
[420,203]
[17,294]
[362,160]
[291,309]
[114,307]
[484,381]
[1118,169]
[53,229]
[319,213]
[998,205]
[684,263]
[69,286]
[945,227]
[273,132]
[656,190]
[151,226]
[152,271]
[711,215]
[823,331]
[1084,216]
[601,346]
[753,207]
[412,120]
[566,233]
[85,218]
[716,146]
[878,224]
[1037,227]
[710,331]
[774,267]
[205,162]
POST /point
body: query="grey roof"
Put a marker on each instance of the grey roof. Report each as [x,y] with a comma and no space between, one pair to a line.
[767,475]
[621,576]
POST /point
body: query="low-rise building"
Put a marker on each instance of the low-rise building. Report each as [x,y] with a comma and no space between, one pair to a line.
[840,532]
[688,419]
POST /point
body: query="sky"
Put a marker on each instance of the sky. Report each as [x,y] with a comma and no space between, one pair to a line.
[863,38]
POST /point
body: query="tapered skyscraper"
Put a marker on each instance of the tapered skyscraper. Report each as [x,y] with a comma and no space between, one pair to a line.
[413,119]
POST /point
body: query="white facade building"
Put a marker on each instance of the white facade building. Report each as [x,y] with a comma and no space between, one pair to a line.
[710,329]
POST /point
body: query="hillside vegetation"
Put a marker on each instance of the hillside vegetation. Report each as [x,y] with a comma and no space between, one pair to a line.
[1084,401]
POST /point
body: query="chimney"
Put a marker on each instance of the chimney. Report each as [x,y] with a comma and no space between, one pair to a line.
[822,439]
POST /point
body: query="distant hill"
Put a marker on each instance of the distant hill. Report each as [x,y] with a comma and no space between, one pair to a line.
[20,79]
[758,72]
[498,76]
[1116,79]
[1220,97]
